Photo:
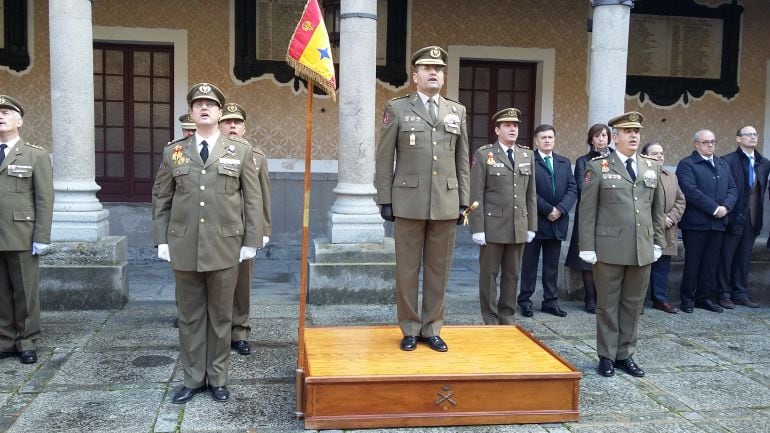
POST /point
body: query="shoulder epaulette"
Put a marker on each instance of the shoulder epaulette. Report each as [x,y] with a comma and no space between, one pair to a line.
[486,146]
[521,146]
[176,140]
[400,97]
[647,156]
[239,139]
[596,158]
[452,100]
[34,146]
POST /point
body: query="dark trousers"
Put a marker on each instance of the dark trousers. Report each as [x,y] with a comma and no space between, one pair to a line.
[701,257]
[659,279]
[733,269]
[551,250]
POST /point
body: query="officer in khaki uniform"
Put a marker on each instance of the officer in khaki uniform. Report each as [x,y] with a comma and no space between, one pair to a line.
[187,124]
[207,220]
[506,217]
[621,234]
[26,205]
[425,195]
[233,123]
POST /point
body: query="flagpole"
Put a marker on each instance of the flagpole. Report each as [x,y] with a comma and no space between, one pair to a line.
[299,386]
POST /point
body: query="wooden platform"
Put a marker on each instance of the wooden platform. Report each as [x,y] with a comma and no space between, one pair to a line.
[356,377]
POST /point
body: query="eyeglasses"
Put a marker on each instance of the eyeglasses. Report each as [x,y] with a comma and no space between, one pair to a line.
[749,134]
[708,142]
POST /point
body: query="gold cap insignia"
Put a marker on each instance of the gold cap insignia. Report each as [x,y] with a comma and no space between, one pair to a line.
[204,88]
[435,53]
[231,108]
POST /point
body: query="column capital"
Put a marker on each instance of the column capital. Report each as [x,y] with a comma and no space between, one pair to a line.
[596,3]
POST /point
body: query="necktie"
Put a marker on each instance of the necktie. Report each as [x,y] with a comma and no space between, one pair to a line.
[549,166]
[711,161]
[432,110]
[204,150]
[510,156]
[2,152]
[630,169]
[752,175]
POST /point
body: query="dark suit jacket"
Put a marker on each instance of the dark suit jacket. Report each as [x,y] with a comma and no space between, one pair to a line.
[705,187]
[738,163]
[563,198]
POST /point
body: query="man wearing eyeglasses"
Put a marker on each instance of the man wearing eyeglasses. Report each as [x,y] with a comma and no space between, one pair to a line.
[750,171]
[710,194]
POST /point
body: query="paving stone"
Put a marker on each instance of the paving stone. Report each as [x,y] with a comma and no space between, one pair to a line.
[607,395]
[121,411]
[738,348]
[129,367]
[265,363]
[704,391]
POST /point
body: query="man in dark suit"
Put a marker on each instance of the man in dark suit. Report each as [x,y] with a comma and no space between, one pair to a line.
[710,194]
[26,203]
[750,171]
[426,136]
[207,211]
[556,195]
[621,234]
[503,184]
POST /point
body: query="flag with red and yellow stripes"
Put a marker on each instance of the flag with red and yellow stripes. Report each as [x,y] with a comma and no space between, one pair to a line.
[309,51]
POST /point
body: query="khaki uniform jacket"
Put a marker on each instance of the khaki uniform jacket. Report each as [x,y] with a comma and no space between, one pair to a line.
[260,161]
[507,195]
[621,219]
[26,197]
[206,212]
[431,176]
[674,204]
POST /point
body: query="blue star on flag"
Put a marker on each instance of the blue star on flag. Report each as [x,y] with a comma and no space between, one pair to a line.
[324,53]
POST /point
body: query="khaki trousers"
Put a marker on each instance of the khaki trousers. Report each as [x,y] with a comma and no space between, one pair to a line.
[620,291]
[19,301]
[429,243]
[242,301]
[205,302]
[493,258]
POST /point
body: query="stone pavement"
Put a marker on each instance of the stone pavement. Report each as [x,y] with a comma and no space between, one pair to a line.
[115,371]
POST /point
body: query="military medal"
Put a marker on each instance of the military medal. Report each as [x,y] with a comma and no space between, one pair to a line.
[177,156]
[231,150]
[605,166]
[490,158]
[411,139]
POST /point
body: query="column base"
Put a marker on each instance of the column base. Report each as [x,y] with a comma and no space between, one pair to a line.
[80,226]
[85,275]
[361,273]
[356,229]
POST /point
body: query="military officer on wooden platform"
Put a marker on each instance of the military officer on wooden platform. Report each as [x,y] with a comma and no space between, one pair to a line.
[425,194]
[621,234]
[207,220]
[233,123]
[26,203]
[503,183]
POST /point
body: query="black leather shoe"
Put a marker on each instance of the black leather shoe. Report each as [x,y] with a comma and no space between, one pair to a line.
[555,310]
[175,323]
[409,343]
[241,346]
[629,366]
[184,394]
[605,367]
[708,304]
[526,310]
[685,307]
[591,309]
[220,393]
[28,357]
[436,343]
[4,355]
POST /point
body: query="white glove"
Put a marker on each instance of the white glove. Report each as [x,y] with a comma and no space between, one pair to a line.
[657,251]
[588,256]
[479,238]
[265,240]
[163,252]
[247,253]
[39,249]
[530,236]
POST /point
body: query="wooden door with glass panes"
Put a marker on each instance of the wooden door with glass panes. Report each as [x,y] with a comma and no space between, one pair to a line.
[133,117]
[487,87]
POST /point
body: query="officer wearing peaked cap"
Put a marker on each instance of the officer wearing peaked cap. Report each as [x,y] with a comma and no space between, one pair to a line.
[206,212]
[233,124]
[506,217]
[26,180]
[426,135]
[187,124]
[621,234]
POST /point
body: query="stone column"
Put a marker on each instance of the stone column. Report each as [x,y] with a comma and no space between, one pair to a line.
[609,54]
[86,269]
[354,216]
[78,215]
[357,263]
